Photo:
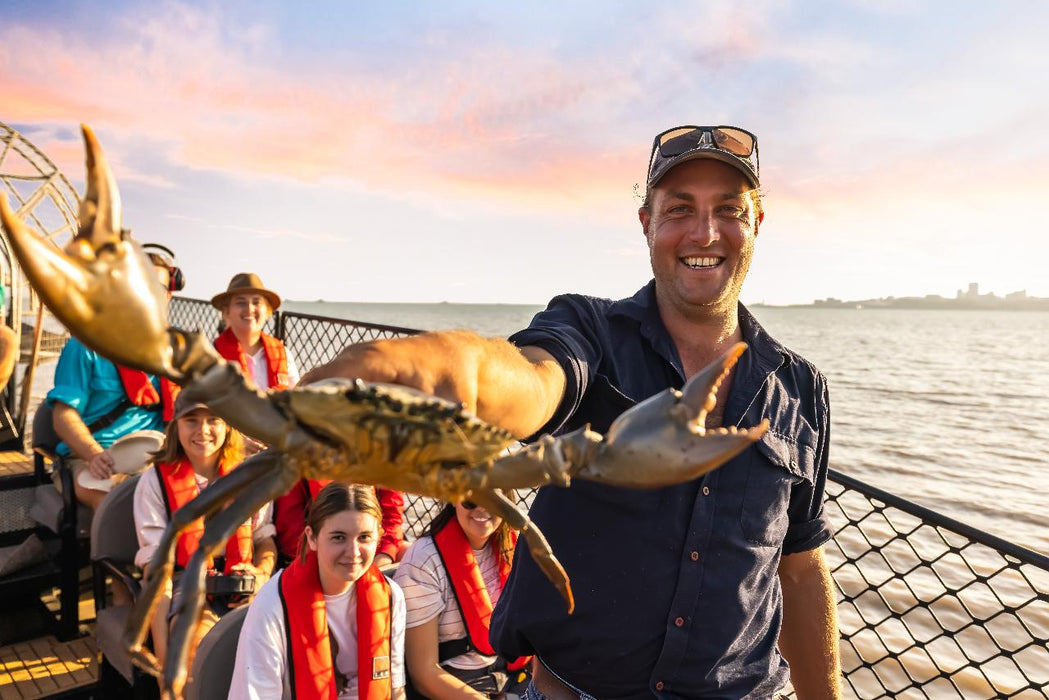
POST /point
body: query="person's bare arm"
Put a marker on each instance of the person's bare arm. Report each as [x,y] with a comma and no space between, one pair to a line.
[809,637]
[8,354]
[70,427]
[516,388]
[420,650]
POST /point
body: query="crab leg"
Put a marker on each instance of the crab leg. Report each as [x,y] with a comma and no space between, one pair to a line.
[498,504]
[659,442]
[162,566]
[272,478]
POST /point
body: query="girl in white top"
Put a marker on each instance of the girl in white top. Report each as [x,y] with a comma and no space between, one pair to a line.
[443,655]
[358,648]
[198,447]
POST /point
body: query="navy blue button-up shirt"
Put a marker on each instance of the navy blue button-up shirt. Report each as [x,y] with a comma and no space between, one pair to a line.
[677,592]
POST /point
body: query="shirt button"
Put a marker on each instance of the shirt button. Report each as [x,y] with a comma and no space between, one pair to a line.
[706,490]
[694,556]
[659,685]
[679,622]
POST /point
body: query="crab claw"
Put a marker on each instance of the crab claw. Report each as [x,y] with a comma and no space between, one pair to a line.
[101,287]
[663,441]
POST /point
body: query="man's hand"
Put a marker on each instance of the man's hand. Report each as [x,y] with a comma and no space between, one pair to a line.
[101,464]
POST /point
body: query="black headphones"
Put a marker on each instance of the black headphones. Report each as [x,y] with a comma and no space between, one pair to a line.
[176,280]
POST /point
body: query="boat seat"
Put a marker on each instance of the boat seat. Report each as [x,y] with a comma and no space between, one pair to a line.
[114,542]
[212,671]
[52,516]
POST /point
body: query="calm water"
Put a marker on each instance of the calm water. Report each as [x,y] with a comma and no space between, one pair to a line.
[946,408]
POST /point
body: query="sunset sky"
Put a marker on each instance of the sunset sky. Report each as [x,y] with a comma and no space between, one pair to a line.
[488,152]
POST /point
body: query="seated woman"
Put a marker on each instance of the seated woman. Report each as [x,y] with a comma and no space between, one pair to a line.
[198,448]
[457,570]
[355,649]
[246,305]
[289,517]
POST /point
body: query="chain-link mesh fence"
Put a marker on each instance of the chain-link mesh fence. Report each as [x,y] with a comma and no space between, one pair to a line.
[928,607]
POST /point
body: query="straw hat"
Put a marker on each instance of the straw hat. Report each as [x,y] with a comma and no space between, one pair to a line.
[131,454]
[245,283]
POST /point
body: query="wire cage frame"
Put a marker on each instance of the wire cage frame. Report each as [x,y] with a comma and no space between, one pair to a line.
[45,199]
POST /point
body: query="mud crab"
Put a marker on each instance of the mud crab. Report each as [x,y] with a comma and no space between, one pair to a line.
[101,287]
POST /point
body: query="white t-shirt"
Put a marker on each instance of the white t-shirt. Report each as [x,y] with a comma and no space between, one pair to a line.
[151,516]
[261,669]
[428,593]
[259,369]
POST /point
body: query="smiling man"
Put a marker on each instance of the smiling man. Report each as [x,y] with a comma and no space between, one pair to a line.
[704,589]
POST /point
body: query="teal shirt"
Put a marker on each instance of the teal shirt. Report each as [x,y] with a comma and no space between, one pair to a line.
[89,383]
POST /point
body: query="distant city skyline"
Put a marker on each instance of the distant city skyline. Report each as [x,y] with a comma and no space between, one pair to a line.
[467,152]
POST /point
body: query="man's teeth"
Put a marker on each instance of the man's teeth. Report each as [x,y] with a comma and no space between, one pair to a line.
[702,262]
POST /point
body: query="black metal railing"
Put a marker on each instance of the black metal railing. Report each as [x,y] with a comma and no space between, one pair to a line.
[928,607]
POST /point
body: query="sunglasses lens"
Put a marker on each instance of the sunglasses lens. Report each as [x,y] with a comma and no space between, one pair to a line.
[734,141]
[677,141]
[469,505]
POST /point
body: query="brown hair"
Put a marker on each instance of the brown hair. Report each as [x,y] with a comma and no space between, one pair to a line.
[503,534]
[336,498]
[231,452]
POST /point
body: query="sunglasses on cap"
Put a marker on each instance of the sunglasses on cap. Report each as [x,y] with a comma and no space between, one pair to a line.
[729,144]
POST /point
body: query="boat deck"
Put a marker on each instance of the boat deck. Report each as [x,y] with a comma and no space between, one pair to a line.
[41,666]
[15,464]
[33,662]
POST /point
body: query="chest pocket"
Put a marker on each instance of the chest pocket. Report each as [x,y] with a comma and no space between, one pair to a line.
[603,403]
[775,466]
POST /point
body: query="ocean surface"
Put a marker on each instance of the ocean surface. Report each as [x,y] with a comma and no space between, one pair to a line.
[949,409]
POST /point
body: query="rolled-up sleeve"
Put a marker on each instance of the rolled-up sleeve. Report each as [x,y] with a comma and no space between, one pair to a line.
[73,377]
[567,330]
[809,527]
[151,517]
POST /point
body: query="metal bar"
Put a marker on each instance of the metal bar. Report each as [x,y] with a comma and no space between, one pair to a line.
[1028,556]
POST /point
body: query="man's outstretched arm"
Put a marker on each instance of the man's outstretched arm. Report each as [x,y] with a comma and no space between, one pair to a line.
[809,637]
[516,388]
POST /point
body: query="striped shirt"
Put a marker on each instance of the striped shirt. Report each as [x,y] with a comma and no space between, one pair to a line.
[428,594]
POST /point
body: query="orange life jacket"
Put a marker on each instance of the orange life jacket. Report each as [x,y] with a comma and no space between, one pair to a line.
[276,357]
[475,604]
[180,487]
[289,514]
[140,390]
[311,664]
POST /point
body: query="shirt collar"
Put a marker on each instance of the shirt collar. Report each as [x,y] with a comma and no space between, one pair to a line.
[765,356]
[643,308]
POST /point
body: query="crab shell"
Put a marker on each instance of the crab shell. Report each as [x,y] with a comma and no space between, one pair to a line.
[379,425]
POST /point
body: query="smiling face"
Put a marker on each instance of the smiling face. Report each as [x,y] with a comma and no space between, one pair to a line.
[246,314]
[345,548]
[700,225]
[202,435]
[477,523]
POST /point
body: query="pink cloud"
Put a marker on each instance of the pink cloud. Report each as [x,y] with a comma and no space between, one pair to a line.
[209,102]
